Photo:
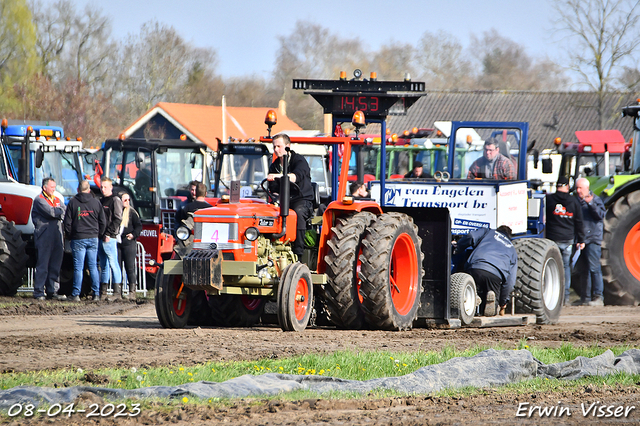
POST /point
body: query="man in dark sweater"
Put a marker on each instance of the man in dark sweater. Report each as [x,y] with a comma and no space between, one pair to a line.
[84,221]
[193,206]
[300,174]
[493,264]
[564,226]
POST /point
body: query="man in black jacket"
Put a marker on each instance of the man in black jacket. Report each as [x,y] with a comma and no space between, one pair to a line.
[564,226]
[197,204]
[84,221]
[300,174]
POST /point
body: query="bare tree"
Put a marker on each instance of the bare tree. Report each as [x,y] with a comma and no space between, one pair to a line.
[441,62]
[394,60]
[54,25]
[602,36]
[155,66]
[311,51]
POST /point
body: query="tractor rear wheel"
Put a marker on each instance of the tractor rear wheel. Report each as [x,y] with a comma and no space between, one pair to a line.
[229,310]
[172,300]
[462,297]
[295,298]
[540,279]
[13,258]
[391,273]
[621,251]
[342,292]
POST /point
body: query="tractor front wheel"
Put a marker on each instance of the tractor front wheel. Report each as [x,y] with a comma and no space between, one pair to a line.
[621,251]
[540,279]
[172,300]
[391,273]
[295,298]
[13,258]
[462,297]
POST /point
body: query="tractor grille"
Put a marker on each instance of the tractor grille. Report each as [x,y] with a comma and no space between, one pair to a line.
[169,221]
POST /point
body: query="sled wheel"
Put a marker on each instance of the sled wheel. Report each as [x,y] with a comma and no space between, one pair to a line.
[462,297]
[540,279]
[621,251]
[391,273]
[172,300]
[230,310]
[13,258]
[295,298]
[342,292]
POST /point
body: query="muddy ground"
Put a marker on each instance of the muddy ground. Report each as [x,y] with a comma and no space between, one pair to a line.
[51,335]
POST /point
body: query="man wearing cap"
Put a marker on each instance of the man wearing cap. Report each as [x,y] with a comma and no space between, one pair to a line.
[417,173]
[492,164]
[564,226]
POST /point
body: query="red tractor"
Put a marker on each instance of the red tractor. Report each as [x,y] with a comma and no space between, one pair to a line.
[240,253]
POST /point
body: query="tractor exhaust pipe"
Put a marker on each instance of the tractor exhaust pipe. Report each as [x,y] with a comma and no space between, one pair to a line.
[285,194]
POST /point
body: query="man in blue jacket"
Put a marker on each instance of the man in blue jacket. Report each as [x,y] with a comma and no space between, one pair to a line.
[493,264]
[593,212]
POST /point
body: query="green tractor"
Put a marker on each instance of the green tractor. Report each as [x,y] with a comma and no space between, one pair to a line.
[621,240]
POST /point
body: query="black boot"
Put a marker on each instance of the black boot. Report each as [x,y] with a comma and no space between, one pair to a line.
[116,292]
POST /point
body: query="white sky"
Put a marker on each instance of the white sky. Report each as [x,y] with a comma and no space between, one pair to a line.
[244,32]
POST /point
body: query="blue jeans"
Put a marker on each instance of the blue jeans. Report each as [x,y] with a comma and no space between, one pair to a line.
[565,248]
[81,249]
[108,255]
[593,252]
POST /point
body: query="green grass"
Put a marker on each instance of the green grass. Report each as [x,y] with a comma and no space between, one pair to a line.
[344,364]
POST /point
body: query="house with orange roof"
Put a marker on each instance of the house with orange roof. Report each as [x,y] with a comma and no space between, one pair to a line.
[206,123]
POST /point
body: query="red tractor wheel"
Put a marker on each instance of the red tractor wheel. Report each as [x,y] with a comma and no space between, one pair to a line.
[342,292]
[295,298]
[621,251]
[172,300]
[391,272]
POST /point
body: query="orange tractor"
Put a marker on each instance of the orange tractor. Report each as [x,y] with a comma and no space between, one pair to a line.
[368,265]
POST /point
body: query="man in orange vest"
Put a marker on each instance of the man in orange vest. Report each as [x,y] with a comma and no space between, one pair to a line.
[47,216]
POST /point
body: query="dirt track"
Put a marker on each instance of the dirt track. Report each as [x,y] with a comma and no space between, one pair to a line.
[123,334]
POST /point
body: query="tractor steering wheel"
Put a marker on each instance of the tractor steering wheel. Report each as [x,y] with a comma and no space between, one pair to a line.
[274,197]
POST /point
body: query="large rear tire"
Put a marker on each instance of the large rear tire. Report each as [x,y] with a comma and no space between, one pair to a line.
[13,258]
[172,300]
[391,273]
[621,251]
[540,279]
[295,298]
[342,292]
[229,310]
[462,297]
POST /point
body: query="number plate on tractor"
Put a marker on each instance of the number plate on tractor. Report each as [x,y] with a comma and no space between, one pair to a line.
[215,233]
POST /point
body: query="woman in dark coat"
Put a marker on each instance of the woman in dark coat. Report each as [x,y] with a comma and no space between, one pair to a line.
[130,229]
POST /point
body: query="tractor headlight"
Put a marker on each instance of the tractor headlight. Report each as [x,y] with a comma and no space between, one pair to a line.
[183,233]
[251,234]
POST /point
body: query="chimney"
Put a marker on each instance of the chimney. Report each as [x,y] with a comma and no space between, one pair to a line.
[282,108]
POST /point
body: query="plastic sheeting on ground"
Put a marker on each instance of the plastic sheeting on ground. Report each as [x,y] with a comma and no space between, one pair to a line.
[488,368]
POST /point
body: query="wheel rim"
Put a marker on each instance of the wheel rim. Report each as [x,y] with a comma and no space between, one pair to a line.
[251,303]
[632,251]
[469,300]
[402,274]
[551,290]
[179,300]
[358,282]
[301,303]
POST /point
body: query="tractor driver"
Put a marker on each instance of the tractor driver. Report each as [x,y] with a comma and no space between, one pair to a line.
[492,164]
[300,174]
